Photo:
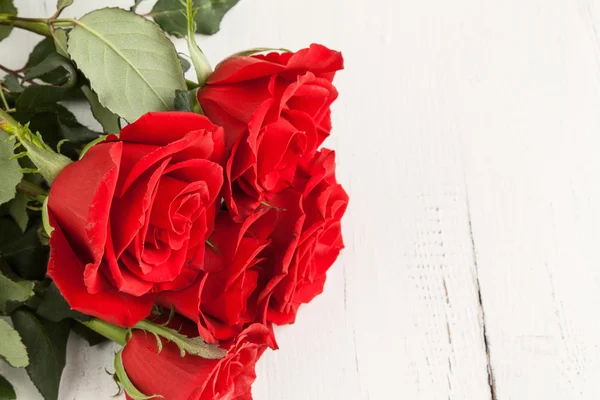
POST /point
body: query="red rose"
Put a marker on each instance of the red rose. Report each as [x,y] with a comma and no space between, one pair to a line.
[264,268]
[195,378]
[275,111]
[286,84]
[223,301]
[131,217]
[306,241]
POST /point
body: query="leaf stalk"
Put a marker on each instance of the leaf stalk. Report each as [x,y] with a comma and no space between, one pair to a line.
[109,331]
[41,26]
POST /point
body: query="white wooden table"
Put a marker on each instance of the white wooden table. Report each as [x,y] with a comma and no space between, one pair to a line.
[468,137]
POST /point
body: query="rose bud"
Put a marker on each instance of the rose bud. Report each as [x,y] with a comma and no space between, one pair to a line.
[167,374]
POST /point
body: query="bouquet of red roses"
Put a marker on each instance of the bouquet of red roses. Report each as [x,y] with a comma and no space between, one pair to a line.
[206,211]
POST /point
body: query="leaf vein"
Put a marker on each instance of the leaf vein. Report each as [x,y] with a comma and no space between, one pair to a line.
[122,56]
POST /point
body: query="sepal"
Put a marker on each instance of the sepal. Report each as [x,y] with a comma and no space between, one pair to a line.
[122,378]
[49,163]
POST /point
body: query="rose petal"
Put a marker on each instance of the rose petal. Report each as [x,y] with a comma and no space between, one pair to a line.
[131,210]
[164,128]
[66,271]
[166,372]
[237,69]
[194,145]
[82,206]
[238,101]
[233,127]
[187,303]
[125,281]
[318,59]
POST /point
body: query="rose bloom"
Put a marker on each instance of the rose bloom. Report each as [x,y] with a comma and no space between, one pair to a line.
[223,300]
[275,109]
[306,241]
[168,374]
[132,216]
[264,268]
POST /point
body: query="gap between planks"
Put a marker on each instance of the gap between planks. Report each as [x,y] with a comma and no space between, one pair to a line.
[482,320]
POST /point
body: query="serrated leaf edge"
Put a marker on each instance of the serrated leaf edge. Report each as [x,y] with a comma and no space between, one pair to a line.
[21,341]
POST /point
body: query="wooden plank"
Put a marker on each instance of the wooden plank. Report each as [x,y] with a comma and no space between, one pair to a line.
[411,326]
[467,135]
[528,115]
[400,316]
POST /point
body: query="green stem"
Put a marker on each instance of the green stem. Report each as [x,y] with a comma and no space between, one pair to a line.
[32,190]
[191,85]
[64,22]
[109,331]
[10,120]
[29,24]
[4,102]
[48,162]
[201,64]
[195,346]
[160,330]
[41,26]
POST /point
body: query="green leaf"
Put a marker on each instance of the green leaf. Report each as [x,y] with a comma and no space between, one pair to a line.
[13,293]
[6,7]
[55,308]
[131,64]
[108,119]
[40,98]
[9,234]
[70,129]
[51,63]
[40,52]
[170,15]
[23,252]
[183,101]
[6,390]
[11,175]
[129,387]
[12,84]
[54,122]
[62,4]
[60,42]
[46,343]
[18,210]
[187,101]
[185,64]
[11,347]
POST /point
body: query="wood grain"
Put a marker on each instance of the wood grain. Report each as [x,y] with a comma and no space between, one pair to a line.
[467,134]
